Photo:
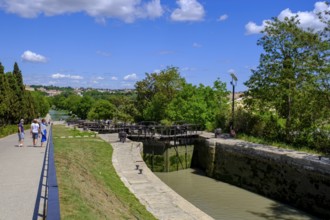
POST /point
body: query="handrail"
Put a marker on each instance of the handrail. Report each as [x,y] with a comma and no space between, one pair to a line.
[53,205]
[47,201]
[42,195]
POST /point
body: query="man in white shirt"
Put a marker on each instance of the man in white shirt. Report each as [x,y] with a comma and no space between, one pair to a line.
[35,131]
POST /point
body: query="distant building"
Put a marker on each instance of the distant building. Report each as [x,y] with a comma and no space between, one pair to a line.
[53,92]
[29,88]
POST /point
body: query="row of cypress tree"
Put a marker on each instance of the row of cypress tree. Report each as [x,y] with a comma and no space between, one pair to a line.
[15,101]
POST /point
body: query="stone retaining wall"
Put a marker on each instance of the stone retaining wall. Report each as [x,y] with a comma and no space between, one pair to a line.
[299,179]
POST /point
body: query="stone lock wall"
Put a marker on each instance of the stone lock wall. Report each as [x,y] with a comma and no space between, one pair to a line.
[296,178]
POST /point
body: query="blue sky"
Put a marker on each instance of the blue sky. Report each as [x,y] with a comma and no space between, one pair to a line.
[113,43]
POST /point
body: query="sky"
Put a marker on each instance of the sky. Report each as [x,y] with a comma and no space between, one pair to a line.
[112,44]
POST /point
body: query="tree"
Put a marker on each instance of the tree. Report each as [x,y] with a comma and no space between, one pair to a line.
[203,105]
[72,103]
[126,110]
[15,102]
[102,110]
[156,91]
[287,78]
[40,104]
[4,96]
[84,106]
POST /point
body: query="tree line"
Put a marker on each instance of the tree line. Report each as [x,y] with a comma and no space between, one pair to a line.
[17,103]
[163,97]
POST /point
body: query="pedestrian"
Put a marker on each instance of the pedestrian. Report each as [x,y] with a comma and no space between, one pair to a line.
[43,130]
[21,133]
[35,129]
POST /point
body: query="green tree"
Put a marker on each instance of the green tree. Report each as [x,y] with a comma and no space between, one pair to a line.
[84,106]
[125,105]
[203,105]
[4,96]
[102,110]
[15,102]
[40,104]
[32,111]
[72,103]
[285,81]
[156,91]
[19,90]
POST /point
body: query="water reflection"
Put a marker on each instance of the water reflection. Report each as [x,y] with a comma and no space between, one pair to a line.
[224,201]
[58,115]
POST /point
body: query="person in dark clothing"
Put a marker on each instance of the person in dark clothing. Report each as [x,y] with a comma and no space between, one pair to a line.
[21,133]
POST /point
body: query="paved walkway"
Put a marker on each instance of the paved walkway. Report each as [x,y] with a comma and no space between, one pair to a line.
[159,199]
[20,169]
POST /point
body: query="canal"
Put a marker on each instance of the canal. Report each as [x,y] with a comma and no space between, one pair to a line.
[224,201]
[58,115]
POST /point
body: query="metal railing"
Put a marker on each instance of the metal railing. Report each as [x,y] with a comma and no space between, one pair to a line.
[47,202]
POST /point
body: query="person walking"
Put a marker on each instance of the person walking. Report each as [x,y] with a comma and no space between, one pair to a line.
[21,133]
[35,129]
[43,130]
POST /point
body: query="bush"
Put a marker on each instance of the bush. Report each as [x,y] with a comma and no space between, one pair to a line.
[7,130]
[268,125]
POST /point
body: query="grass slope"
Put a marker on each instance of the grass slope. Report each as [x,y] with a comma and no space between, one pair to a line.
[89,187]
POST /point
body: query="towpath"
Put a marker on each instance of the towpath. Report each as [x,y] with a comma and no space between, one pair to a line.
[20,170]
[159,199]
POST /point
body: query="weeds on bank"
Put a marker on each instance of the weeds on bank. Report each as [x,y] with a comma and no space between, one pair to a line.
[7,130]
[275,144]
[89,187]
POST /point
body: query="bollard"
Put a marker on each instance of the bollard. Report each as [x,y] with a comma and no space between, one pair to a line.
[217,132]
[137,166]
[140,171]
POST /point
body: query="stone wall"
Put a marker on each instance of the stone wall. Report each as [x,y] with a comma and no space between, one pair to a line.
[165,157]
[299,179]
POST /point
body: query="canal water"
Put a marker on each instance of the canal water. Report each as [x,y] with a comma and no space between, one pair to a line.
[223,201]
[58,115]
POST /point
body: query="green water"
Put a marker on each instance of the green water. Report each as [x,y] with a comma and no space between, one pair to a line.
[58,115]
[224,201]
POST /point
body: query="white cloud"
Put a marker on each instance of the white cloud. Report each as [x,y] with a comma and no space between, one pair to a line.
[114,78]
[99,78]
[189,10]
[30,56]
[308,19]
[62,76]
[58,76]
[253,28]
[127,85]
[74,77]
[126,10]
[231,71]
[187,69]
[153,9]
[223,17]
[132,76]
[196,45]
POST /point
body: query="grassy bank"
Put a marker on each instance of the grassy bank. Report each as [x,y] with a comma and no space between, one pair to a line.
[10,129]
[89,187]
[276,144]
[7,130]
